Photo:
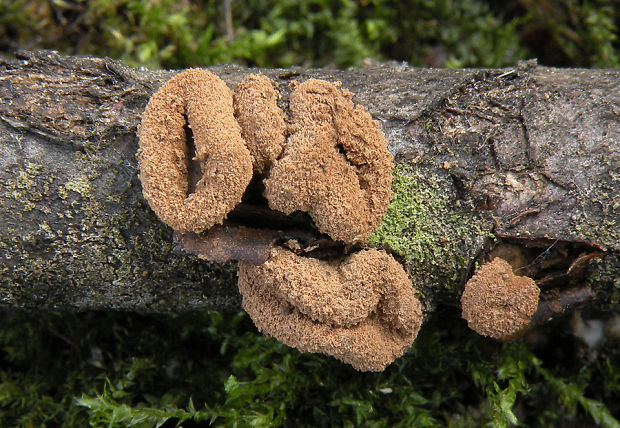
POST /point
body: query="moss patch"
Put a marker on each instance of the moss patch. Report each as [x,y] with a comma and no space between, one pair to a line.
[437,235]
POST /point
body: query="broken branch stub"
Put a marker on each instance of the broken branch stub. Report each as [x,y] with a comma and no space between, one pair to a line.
[221,244]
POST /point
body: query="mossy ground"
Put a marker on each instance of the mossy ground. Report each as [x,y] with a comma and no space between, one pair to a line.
[117,369]
[272,33]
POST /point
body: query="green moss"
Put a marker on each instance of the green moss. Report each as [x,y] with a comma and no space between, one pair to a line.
[435,233]
[126,369]
[318,32]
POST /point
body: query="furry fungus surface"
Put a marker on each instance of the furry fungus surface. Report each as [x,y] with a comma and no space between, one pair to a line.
[335,166]
[202,101]
[362,310]
[262,121]
[200,146]
[497,303]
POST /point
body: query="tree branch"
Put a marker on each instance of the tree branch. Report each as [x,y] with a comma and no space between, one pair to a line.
[523,160]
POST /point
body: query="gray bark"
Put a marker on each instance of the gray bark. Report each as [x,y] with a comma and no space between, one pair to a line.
[524,160]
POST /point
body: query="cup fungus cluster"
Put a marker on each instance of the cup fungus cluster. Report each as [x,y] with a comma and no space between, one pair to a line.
[497,303]
[362,310]
[201,147]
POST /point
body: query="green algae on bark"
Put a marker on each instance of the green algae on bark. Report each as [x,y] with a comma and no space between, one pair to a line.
[92,250]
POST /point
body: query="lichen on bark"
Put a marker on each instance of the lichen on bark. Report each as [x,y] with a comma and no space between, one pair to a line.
[85,241]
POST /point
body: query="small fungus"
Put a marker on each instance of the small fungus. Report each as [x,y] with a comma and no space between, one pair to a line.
[201,102]
[362,310]
[335,166]
[497,303]
[262,121]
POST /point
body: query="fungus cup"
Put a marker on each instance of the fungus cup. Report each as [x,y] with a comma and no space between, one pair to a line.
[497,303]
[335,166]
[362,310]
[201,101]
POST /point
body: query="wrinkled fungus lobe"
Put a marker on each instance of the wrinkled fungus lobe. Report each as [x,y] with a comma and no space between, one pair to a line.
[497,303]
[362,310]
[335,166]
[262,122]
[201,101]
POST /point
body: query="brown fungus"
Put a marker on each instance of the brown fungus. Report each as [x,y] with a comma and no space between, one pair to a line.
[201,101]
[362,310]
[335,166]
[262,121]
[497,303]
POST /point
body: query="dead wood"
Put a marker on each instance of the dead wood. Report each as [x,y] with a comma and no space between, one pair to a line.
[528,156]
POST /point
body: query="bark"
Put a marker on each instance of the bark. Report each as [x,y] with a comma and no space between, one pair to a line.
[521,162]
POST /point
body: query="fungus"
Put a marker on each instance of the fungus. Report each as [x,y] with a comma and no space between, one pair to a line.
[194,101]
[497,303]
[335,166]
[262,121]
[362,310]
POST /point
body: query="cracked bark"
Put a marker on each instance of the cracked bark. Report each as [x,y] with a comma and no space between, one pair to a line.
[530,154]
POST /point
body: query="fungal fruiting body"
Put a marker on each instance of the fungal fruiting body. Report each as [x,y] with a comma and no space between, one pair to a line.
[262,122]
[326,157]
[497,303]
[202,101]
[336,166]
[362,310]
